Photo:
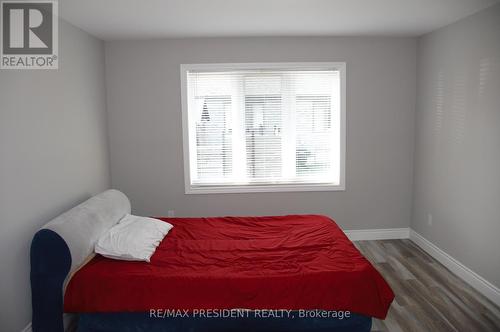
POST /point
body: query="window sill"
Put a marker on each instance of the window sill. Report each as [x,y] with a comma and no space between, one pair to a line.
[263,188]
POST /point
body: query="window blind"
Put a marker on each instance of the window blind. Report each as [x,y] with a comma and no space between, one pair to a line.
[263,127]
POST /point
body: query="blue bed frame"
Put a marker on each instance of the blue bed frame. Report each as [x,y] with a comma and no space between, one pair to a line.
[64,244]
[132,322]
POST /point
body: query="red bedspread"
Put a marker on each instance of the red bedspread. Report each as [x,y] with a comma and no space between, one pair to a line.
[287,262]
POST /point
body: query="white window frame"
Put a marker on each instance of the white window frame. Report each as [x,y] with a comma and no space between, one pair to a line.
[214,189]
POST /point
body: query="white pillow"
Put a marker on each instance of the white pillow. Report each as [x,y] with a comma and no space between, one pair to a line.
[134,238]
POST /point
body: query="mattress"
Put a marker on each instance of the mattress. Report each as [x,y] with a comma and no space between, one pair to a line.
[278,262]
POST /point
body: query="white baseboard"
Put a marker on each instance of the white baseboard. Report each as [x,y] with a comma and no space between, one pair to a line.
[482,285]
[472,278]
[69,323]
[27,328]
[378,234]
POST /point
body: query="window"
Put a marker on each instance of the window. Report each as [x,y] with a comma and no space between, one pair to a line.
[263,127]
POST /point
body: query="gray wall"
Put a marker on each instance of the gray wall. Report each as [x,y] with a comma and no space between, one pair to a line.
[53,155]
[457,159]
[144,108]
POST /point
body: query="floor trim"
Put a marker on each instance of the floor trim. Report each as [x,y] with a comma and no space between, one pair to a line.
[472,278]
[69,322]
[27,328]
[378,234]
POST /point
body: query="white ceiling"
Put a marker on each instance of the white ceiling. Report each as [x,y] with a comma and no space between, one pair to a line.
[134,19]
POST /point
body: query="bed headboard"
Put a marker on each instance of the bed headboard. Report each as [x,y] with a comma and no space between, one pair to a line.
[61,247]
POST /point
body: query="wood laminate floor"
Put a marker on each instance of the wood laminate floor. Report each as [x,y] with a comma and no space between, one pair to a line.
[428,296]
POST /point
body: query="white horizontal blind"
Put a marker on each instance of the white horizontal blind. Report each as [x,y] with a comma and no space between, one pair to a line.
[264,127]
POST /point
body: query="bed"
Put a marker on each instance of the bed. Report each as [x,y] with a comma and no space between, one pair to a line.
[275,273]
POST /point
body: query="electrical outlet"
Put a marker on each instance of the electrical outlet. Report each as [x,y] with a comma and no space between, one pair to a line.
[429,219]
[171,213]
